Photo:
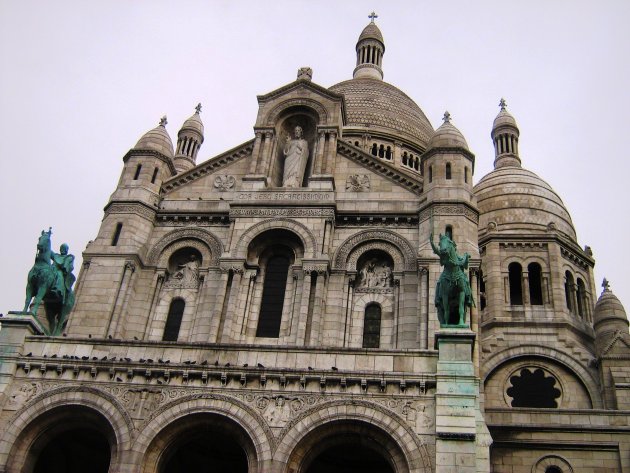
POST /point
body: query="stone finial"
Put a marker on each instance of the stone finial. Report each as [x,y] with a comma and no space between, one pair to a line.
[198,108]
[372,16]
[447,117]
[163,121]
[606,285]
[502,104]
[305,73]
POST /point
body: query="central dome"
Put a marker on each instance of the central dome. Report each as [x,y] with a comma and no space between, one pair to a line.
[383,107]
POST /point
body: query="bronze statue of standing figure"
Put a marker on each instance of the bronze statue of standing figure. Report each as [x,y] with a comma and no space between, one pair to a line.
[50,281]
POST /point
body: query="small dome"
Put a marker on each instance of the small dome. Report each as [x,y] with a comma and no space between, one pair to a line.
[609,309]
[194,122]
[157,140]
[447,136]
[517,200]
[375,104]
[371,31]
[504,118]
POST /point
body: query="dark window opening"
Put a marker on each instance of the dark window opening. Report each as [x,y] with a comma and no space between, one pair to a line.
[75,451]
[388,153]
[381,151]
[372,326]
[581,298]
[448,170]
[448,231]
[353,455]
[272,302]
[416,164]
[117,234]
[155,173]
[482,291]
[356,143]
[516,289]
[404,158]
[430,173]
[137,174]
[535,284]
[374,149]
[568,290]
[553,469]
[466,174]
[533,389]
[174,320]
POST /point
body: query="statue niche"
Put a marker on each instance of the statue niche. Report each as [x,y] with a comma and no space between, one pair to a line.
[295,152]
[375,272]
[183,269]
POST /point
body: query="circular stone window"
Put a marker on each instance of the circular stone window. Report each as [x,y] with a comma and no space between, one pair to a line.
[533,387]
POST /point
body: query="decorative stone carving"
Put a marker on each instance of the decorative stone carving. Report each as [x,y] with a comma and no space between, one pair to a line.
[305,73]
[358,183]
[450,209]
[282,212]
[224,183]
[210,241]
[403,256]
[187,276]
[295,158]
[375,274]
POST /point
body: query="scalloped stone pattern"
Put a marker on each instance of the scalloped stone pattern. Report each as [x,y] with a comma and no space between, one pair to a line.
[377,103]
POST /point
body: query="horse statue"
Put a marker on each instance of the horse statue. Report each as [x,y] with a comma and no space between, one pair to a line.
[453,293]
[50,281]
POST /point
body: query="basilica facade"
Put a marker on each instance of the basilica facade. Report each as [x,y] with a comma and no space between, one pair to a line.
[274,309]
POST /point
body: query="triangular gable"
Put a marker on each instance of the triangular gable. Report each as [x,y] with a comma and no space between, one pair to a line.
[300,83]
[209,167]
[379,166]
[619,345]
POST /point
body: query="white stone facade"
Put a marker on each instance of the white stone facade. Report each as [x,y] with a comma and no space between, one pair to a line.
[223,318]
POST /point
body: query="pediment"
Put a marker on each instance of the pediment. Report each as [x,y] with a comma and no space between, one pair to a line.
[300,85]
[209,167]
[380,167]
[618,346]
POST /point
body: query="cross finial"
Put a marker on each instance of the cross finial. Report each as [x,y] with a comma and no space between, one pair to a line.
[163,121]
[372,16]
[198,108]
[502,104]
[447,117]
[606,285]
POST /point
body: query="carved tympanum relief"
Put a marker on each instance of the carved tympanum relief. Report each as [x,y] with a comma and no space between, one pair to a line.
[358,183]
[374,272]
[184,269]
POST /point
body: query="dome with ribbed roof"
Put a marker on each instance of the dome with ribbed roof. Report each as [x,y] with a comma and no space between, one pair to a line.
[157,139]
[447,136]
[517,200]
[383,107]
[194,123]
[371,31]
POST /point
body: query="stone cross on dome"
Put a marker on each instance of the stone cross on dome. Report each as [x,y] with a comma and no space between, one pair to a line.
[447,117]
[372,16]
[198,108]
[502,104]
[163,121]
[606,285]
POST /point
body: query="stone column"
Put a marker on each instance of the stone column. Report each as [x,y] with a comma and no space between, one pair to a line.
[321,144]
[207,307]
[255,152]
[264,160]
[216,322]
[423,305]
[396,327]
[457,416]
[525,288]
[331,151]
[318,308]
[120,302]
[231,314]
[240,332]
[303,316]
[347,308]
[159,281]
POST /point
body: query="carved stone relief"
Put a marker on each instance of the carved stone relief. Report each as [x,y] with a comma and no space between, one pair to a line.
[358,183]
[224,182]
[375,273]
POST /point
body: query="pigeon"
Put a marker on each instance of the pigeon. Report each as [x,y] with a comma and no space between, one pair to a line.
[260,365]
[216,363]
[245,365]
[334,368]
[310,368]
[204,363]
[118,379]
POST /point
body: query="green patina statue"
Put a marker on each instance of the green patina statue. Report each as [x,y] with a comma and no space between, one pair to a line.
[452,293]
[50,280]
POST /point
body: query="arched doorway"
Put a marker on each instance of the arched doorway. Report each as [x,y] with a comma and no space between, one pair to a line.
[347,447]
[203,443]
[68,439]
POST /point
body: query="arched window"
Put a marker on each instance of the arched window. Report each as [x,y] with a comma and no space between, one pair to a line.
[404,158]
[381,151]
[374,149]
[535,284]
[416,164]
[448,170]
[272,301]
[466,174]
[174,320]
[155,173]
[449,231]
[516,289]
[137,174]
[372,326]
[117,232]
[569,288]
[356,143]
[388,153]
[553,469]
[430,173]
[581,298]
[533,388]
[482,291]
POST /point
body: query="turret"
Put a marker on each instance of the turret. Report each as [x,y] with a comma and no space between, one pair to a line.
[505,135]
[609,317]
[189,140]
[370,49]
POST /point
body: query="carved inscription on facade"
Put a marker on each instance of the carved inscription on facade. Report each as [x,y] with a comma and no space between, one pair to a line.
[289,196]
[282,212]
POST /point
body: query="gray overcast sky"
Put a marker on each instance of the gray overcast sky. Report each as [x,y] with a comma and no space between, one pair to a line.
[80,82]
